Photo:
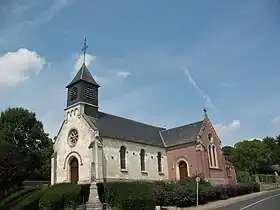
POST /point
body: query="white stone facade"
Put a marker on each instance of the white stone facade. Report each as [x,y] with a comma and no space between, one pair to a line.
[133,163]
[90,157]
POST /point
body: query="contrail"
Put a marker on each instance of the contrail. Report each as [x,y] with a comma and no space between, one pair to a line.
[199,90]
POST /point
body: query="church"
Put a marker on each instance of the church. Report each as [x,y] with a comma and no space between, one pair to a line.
[92,146]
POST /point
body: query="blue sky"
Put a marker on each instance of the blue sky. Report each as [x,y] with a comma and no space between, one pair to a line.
[158,61]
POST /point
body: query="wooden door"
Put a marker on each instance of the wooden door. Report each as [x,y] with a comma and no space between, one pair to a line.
[74,170]
[183,170]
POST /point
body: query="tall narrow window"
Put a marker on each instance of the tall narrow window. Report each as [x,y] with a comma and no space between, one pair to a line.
[123,157]
[159,156]
[214,156]
[142,159]
[210,156]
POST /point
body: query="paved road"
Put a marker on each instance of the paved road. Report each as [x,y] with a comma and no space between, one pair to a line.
[268,201]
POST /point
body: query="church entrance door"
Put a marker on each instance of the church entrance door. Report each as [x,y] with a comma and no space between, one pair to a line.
[183,170]
[74,170]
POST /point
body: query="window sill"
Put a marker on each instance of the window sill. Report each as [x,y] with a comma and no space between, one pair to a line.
[160,173]
[144,172]
[215,168]
[124,170]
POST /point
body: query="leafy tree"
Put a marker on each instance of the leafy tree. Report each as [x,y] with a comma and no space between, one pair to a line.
[249,155]
[13,167]
[20,128]
[227,150]
[274,147]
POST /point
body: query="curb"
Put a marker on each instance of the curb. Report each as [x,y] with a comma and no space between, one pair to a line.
[222,203]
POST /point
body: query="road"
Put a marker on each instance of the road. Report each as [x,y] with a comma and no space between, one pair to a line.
[267,201]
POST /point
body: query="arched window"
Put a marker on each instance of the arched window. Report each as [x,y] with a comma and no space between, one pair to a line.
[142,159]
[210,137]
[123,157]
[212,154]
[159,156]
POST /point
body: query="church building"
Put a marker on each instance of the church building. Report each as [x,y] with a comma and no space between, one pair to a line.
[92,145]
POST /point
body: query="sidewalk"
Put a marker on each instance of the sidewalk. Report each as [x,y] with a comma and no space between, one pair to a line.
[221,203]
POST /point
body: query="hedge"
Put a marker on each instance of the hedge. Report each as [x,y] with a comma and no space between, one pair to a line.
[31,201]
[64,195]
[146,195]
[134,195]
[56,197]
[16,197]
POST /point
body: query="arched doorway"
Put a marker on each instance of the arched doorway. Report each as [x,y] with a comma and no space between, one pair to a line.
[183,170]
[74,170]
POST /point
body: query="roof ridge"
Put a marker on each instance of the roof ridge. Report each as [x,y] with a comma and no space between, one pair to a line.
[180,126]
[134,120]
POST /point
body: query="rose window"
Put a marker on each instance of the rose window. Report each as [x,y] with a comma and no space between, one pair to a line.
[73,137]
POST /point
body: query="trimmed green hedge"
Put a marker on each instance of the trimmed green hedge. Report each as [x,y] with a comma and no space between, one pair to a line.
[64,195]
[125,195]
[13,199]
[56,197]
[146,195]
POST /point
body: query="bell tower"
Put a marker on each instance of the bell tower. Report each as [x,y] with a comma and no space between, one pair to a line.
[83,90]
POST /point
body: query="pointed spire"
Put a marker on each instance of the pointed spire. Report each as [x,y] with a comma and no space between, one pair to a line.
[205,113]
[83,74]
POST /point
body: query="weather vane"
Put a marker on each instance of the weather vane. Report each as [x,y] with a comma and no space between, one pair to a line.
[84,49]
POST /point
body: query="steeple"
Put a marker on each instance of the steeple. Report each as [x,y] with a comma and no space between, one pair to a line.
[83,89]
[83,75]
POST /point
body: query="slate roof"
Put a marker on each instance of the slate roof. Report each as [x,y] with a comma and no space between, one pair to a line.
[130,130]
[181,135]
[83,75]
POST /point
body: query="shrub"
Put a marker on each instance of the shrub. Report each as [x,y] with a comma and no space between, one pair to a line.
[60,196]
[130,195]
[16,197]
[64,195]
[30,202]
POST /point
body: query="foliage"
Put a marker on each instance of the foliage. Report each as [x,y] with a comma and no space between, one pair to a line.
[13,168]
[254,157]
[31,201]
[126,195]
[25,149]
[8,202]
[64,195]
[56,197]
[130,195]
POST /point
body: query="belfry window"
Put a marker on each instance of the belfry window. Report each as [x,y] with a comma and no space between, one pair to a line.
[73,93]
[89,93]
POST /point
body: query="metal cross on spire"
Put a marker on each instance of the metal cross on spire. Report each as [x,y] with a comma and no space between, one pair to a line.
[84,49]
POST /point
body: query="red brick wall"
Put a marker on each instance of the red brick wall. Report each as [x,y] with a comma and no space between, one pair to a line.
[220,171]
[198,161]
[183,152]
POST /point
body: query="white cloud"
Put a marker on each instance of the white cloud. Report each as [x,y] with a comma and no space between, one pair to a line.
[275,120]
[80,59]
[123,74]
[16,67]
[227,131]
[199,90]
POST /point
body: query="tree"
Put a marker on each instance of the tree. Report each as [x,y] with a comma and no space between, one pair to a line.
[250,155]
[20,128]
[274,147]
[227,151]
